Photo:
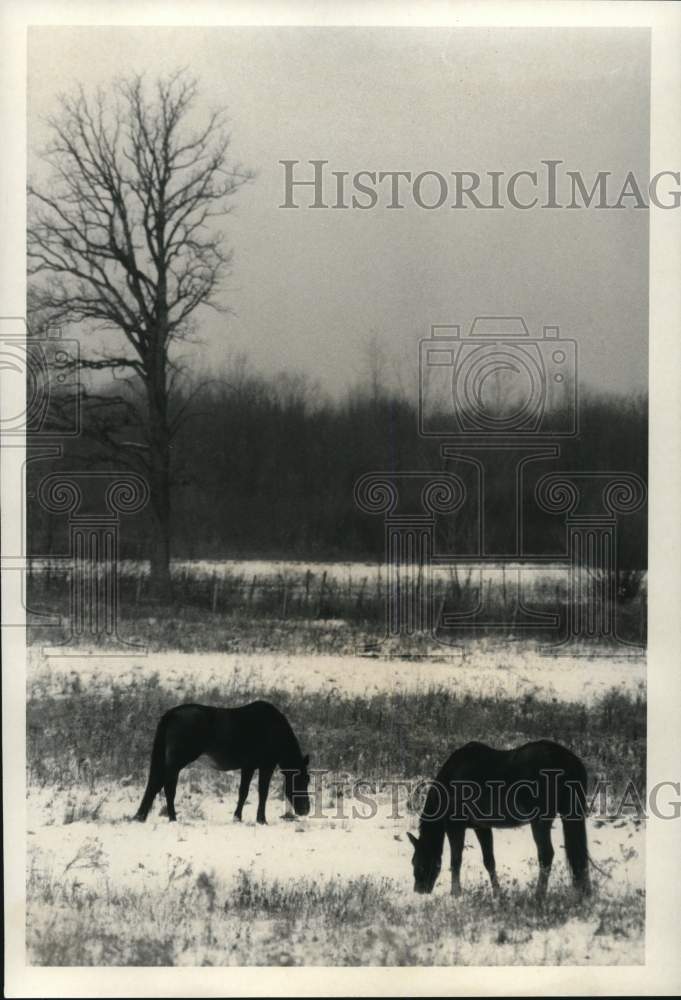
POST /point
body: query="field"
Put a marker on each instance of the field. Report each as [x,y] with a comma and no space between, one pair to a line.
[323,891]
[325,607]
[335,887]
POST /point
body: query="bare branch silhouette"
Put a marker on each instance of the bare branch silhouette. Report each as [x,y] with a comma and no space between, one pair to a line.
[121,239]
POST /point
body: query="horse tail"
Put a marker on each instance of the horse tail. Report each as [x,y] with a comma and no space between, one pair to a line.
[573,815]
[156,771]
[574,831]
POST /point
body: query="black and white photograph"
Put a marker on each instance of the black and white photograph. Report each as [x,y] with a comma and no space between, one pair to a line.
[340,542]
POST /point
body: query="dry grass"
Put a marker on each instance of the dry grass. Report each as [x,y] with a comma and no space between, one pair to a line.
[198,919]
[83,735]
[287,608]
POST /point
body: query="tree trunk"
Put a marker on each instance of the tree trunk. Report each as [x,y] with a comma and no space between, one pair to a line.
[159,486]
[160,539]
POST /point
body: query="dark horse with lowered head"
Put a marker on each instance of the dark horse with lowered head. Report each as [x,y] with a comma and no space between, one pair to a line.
[253,737]
[483,788]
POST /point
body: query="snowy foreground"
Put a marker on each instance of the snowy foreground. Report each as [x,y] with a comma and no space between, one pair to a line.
[162,866]
[333,888]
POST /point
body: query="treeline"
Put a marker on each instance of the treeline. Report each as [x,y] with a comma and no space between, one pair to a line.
[265,466]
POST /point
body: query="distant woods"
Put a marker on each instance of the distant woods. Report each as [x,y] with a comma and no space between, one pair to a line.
[265,466]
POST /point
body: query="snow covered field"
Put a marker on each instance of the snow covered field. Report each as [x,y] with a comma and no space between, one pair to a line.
[485,670]
[210,870]
[295,568]
[333,888]
[531,578]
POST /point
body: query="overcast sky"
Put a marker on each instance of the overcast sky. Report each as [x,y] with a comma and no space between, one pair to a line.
[310,287]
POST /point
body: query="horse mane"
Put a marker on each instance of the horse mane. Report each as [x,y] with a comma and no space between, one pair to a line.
[432,819]
[292,753]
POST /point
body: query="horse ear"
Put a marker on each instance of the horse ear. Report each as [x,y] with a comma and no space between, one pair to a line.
[414,840]
[306,759]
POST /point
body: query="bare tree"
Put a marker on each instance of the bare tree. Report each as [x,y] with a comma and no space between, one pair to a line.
[122,238]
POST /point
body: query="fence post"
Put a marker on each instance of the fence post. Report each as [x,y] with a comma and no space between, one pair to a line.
[322,587]
[307,589]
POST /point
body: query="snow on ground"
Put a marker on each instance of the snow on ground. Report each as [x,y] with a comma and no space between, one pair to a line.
[292,568]
[160,857]
[81,837]
[332,843]
[530,574]
[513,672]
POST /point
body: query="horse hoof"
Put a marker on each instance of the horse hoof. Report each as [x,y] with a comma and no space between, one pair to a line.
[262,821]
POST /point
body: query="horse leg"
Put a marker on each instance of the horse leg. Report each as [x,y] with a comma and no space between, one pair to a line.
[245,784]
[169,787]
[456,834]
[487,846]
[174,764]
[264,778]
[541,831]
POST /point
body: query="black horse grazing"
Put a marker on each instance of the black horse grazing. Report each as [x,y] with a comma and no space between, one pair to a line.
[480,787]
[253,737]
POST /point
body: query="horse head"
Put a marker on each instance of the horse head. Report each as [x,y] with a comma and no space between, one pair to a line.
[296,782]
[426,865]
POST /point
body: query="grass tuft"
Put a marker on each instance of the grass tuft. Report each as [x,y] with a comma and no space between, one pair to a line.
[79,737]
[365,921]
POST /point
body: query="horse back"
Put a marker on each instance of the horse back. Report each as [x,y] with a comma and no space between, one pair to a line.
[479,771]
[468,761]
[526,762]
[249,736]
